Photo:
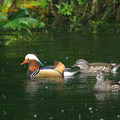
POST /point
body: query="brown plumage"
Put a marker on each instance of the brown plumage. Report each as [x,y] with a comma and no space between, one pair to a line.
[86,67]
[103,85]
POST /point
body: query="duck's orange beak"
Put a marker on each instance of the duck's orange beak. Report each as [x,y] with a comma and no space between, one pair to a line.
[24,62]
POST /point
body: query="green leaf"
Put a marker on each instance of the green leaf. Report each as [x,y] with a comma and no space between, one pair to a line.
[22,12]
[3,18]
[25,21]
[80,2]
[6,5]
[41,25]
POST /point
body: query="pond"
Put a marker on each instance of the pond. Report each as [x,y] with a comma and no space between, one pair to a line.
[69,98]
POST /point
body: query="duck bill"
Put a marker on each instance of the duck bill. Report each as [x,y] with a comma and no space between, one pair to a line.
[74,66]
[24,62]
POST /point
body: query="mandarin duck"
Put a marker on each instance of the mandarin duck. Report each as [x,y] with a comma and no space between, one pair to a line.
[36,68]
[103,85]
[86,67]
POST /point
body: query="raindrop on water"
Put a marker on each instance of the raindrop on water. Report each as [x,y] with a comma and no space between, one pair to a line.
[46,87]
[3,71]
[91,111]
[35,116]
[4,112]
[79,117]
[62,111]
[90,108]
[96,109]
[118,116]
[66,58]
[50,118]
[3,96]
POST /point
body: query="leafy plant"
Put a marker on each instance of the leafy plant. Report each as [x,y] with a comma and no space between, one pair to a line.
[4,8]
[41,3]
[21,19]
[64,9]
[3,18]
[80,2]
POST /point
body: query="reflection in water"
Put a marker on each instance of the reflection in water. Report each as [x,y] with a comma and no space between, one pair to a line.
[33,85]
[106,96]
[58,99]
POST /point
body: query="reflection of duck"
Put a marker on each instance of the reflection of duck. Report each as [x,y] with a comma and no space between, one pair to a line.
[104,86]
[33,85]
[86,67]
[36,68]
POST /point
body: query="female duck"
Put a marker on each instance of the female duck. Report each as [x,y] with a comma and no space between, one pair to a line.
[36,68]
[86,67]
[105,86]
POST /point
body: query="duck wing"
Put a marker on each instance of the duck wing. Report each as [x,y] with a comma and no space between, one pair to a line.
[101,64]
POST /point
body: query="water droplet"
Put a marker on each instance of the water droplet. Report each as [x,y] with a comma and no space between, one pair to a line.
[3,71]
[42,98]
[4,112]
[46,87]
[66,58]
[96,109]
[3,96]
[62,111]
[90,108]
[50,118]
[91,111]
[118,116]
[79,117]
[35,116]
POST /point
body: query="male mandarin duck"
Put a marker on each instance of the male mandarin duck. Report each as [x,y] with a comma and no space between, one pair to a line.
[36,68]
[103,85]
[86,67]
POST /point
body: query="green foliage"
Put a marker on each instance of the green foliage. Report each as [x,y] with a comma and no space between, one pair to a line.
[22,12]
[3,18]
[5,6]
[44,3]
[23,21]
[75,12]
[22,34]
[80,2]
[20,19]
[64,9]
[41,3]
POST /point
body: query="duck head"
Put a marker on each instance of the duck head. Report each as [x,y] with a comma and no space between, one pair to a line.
[100,77]
[33,61]
[31,57]
[83,64]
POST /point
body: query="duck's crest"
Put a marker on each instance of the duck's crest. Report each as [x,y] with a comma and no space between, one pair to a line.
[34,57]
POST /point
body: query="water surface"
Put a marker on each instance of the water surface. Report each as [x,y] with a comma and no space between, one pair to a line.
[69,98]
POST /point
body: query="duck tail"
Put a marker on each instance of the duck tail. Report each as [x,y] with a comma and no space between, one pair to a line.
[59,67]
[115,67]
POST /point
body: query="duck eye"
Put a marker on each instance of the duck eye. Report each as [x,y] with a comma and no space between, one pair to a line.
[28,58]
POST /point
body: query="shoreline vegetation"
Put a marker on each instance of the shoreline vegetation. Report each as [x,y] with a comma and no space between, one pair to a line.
[75,14]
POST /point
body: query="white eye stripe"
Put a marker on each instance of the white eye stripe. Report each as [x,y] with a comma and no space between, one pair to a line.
[32,56]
